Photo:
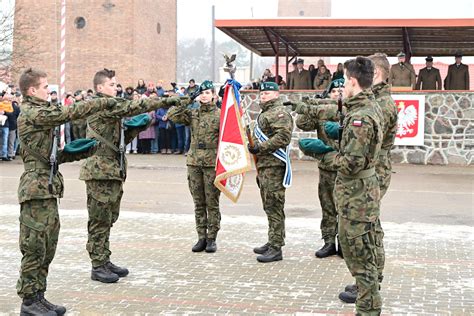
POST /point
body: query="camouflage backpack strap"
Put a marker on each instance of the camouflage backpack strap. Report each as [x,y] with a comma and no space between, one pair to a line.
[107,143]
[35,154]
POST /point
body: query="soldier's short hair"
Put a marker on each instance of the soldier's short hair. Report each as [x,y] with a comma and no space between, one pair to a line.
[361,68]
[380,61]
[101,76]
[30,78]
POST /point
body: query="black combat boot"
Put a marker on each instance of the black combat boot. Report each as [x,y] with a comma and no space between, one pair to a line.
[200,245]
[262,249]
[270,255]
[121,272]
[33,306]
[211,245]
[60,310]
[104,275]
[348,297]
[352,288]
[329,249]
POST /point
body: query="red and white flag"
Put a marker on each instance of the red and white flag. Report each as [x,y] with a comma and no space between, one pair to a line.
[233,158]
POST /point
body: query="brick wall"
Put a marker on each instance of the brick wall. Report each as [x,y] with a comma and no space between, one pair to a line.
[120,35]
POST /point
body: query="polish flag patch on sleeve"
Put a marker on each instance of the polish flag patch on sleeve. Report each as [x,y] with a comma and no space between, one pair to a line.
[357,123]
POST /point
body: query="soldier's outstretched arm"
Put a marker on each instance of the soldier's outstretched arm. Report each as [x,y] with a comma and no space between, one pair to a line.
[56,115]
[352,158]
[306,122]
[180,114]
[126,108]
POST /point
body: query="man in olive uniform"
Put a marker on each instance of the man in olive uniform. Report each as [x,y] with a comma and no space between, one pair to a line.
[327,178]
[301,78]
[201,161]
[357,190]
[383,167]
[402,73]
[274,126]
[458,75]
[428,77]
[289,79]
[105,172]
[39,218]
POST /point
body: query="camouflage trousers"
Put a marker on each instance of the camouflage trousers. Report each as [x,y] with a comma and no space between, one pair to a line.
[272,192]
[326,184]
[359,246]
[103,205]
[39,230]
[383,169]
[206,201]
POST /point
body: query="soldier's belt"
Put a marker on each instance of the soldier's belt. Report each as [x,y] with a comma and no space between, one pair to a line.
[360,175]
[31,165]
[203,146]
[383,152]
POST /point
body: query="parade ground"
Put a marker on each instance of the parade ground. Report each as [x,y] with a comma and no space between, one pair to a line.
[427,214]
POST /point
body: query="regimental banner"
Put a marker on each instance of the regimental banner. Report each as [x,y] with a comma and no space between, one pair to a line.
[411,119]
[233,158]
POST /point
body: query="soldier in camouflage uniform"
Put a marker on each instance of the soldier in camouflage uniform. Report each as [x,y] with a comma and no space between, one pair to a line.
[201,161]
[39,218]
[383,167]
[105,172]
[357,190]
[327,178]
[277,124]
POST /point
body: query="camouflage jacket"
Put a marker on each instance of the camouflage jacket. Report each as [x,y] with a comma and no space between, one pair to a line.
[389,113]
[36,123]
[277,124]
[361,138]
[204,122]
[320,109]
[105,163]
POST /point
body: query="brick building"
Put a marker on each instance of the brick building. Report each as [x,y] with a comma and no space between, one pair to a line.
[137,38]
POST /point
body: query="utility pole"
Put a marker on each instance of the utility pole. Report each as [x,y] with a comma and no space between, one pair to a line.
[213,44]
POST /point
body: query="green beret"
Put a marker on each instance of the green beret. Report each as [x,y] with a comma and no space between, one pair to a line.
[137,121]
[268,86]
[338,83]
[206,85]
[80,145]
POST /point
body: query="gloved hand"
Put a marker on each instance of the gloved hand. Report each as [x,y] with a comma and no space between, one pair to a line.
[314,146]
[255,149]
[173,101]
[184,101]
[332,129]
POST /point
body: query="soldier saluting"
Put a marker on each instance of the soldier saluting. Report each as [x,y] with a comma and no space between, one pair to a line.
[105,172]
[41,184]
[357,192]
[272,136]
[201,161]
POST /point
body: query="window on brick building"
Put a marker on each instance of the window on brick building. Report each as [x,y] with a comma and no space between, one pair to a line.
[80,22]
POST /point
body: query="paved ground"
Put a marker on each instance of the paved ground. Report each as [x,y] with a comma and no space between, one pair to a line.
[428,219]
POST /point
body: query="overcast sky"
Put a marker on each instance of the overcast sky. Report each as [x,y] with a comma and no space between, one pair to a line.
[194,16]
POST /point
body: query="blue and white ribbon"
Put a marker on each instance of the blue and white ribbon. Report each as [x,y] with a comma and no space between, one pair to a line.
[283,155]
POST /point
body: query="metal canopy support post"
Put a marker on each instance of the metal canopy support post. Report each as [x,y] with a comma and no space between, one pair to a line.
[406,44]
[277,56]
[286,62]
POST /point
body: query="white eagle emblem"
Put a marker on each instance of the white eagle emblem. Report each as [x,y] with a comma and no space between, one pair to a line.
[407,117]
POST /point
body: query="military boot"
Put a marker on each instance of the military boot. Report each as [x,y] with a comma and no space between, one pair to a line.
[33,306]
[200,245]
[351,288]
[270,255]
[104,275]
[262,249]
[348,297]
[329,249]
[211,245]
[60,310]
[121,272]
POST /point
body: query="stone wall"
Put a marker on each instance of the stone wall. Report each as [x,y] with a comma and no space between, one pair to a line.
[449,128]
